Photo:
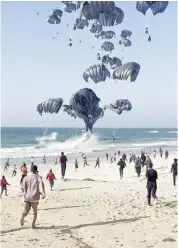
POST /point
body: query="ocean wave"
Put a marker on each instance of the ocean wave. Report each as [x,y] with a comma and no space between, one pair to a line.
[50,137]
[154,131]
[173,132]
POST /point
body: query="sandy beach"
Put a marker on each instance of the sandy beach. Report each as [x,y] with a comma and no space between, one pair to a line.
[94,208]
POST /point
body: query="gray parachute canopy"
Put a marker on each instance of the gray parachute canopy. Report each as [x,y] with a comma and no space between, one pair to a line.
[71,6]
[106,59]
[105,35]
[51,106]
[84,104]
[119,106]
[98,73]
[57,12]
[96,27]
[156,7]
[68,109]
[115,62]
[123,72]
[80,23]
[53,19]
[107,46]
[125,42]
[125,34]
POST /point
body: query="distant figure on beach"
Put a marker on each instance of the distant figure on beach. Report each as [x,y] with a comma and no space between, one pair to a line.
[124,157]
[4,184]
[5,167]
[152,177]
[44,160]
[97,163]
[111,159]
[56,162]
[31,191]
[107,156]
[32,161]
[51,177]
[14,171]
[174,171]
[76,164]
[154,153]
[84,160]
[63,161]
[7,163]
[23,171]
[138,166]
[114,158]
[148,162]
[143,159]
[166,154]
[150,151]
[161,152]
[121,165]
[118,152]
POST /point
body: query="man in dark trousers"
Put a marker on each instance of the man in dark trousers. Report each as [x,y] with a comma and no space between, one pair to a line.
[63,160]
[152,176]
[174,171]
[121,165]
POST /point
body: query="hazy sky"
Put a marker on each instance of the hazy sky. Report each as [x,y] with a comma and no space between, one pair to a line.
[36,67]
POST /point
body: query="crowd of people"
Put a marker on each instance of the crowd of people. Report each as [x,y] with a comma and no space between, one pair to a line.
[32,185]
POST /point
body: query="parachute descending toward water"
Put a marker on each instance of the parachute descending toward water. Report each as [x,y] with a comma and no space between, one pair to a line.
[98,73]
[119,106]
[51,106]
[105,35]
[128,70]
[84,104]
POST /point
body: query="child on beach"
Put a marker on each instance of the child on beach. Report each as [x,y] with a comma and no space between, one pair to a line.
[56,162]
[14,171]
[4,184]
[76,164]
[51,177]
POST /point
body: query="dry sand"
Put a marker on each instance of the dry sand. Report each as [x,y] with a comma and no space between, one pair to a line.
[105,213]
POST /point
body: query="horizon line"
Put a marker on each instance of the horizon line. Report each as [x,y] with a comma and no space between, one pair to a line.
[93,128]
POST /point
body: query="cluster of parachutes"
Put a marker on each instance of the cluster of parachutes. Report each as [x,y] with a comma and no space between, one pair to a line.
[98,17]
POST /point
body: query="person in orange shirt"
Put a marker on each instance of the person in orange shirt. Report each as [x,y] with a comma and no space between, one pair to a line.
[24,172]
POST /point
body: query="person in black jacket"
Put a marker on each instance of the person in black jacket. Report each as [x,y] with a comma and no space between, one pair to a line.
[121,165]
[152,176]
[174,171]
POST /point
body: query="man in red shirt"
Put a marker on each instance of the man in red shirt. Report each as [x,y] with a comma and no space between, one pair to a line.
[63,160]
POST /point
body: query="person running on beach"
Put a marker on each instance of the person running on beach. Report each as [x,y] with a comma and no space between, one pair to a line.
[4,184]
[31,191]
[121,165]
[174,171]
[154,153]
[107,156]
[143,159]
[124,157]
[14,171]
[51,177]
[161,152]
[44,160]
[56,163]
[63,161]
[138,166]
[76,164]
[97,163]
[166,154]
[24,172]
[32,161]
[84,161]
[152,177]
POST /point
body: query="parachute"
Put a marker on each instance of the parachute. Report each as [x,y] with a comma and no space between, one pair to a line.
[96,28]
[156,7]
[107,46]
[125,34]
[84,104]
[98,73]
[123,72]
[125,42]
[106,59]
[105,35]
[119,106]
[51,106]
[57,12]
[80,23]
[115,62]
[53,19]
[111,17]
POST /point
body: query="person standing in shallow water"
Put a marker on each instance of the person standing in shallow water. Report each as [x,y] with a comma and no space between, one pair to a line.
[174,171]
[31,191]
[63,161]
[152,177]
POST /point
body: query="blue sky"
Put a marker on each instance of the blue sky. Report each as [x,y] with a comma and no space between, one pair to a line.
[36,67]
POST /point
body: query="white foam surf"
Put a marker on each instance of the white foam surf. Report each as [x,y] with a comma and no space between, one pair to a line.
[50,137]
[154,131]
